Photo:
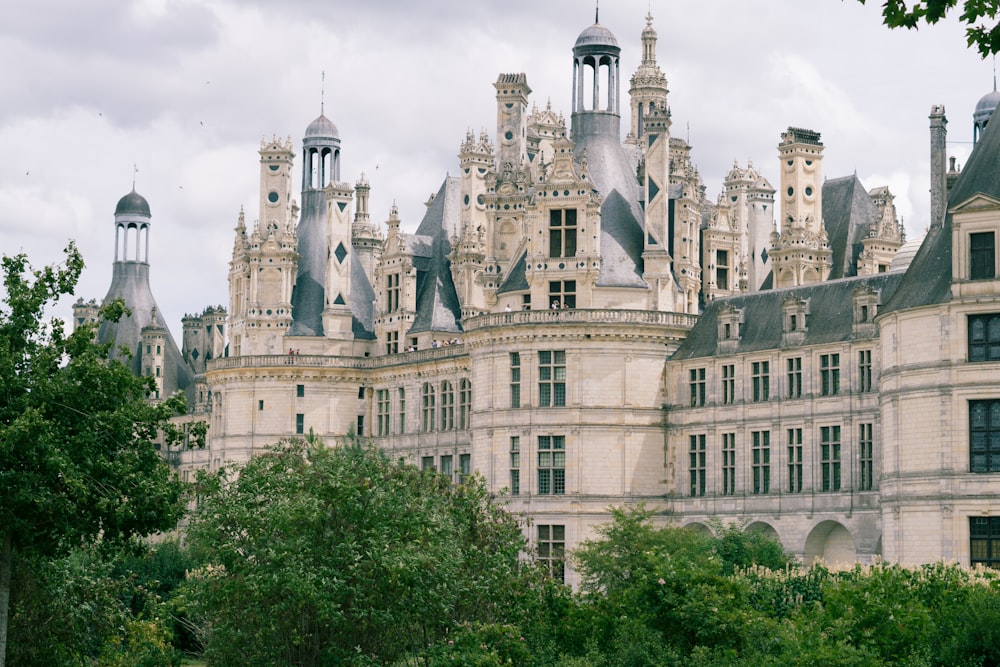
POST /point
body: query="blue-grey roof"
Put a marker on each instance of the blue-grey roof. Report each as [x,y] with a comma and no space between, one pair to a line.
[848,213]
[308,293]
[830,318]
[596,35]
[322,128]
[516,279]
[132,204]
[438,307]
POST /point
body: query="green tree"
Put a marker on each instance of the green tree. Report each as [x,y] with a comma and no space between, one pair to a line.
[77,455]
[977,15]
[338,555]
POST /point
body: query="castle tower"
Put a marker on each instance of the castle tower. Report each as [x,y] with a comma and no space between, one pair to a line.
[939,149]
[468,252]
[366,238]
[885,235]
[800,253]
[85,312]
[648,89]
[337,316]
[596,103]
[320,167]
[153,341]
[750,199]
[512,119]
[130,283]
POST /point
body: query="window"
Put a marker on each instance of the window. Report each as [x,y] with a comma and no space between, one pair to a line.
[361,425]
[984,540]
[300,423]
[984,337]
[464,403]
[562,294]
[391,342]
[760,376]
[866,459]
[402,411]
[864,371]
[794,460]
[382,401]
[728,464]
[729,384]
[722,269]
[515,465]
[551,464]
[551,545]
[794,377]
[447,406]
[697,465]
[551,378]
[392,293]
[446,466]
[761,461]
[427,463]
[260,405]
[562,232]
[982,256]
[361,393]
[696,380]
[427,408]
[464,467]
[829,457]
[984,436]
[829,373]
[300,390]
[515,379]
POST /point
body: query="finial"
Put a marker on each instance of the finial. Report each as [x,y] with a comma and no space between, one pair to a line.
[597,11]
[135,167]
[322,92]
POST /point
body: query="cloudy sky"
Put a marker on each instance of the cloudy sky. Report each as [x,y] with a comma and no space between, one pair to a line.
[186,89]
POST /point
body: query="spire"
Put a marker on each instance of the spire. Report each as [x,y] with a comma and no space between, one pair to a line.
[322,93]
[597,11]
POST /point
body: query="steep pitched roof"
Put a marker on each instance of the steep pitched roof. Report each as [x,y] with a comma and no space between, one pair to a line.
[830,319]
[438,307]
[848,213]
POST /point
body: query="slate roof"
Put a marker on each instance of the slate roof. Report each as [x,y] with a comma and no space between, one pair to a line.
[438,308]
[848,213]
[516,279]
[928,278]
[830,318]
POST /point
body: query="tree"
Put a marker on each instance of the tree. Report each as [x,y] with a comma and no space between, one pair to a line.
[321,555]
[979,32]
[77,455]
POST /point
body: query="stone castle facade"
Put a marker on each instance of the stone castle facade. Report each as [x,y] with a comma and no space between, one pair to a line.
[575,321]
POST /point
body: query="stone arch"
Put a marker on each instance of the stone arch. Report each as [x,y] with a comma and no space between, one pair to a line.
[699,528]
[831,542]
[764,529]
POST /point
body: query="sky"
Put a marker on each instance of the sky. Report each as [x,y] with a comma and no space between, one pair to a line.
[178,95]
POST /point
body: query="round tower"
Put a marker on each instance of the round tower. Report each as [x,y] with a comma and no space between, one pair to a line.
[984,111]
[596,100]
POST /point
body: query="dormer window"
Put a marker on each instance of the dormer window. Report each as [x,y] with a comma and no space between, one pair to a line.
[795,311]
[730,325]
[865,309]
[982,255]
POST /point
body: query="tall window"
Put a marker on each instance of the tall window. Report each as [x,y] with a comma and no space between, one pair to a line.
[982,256]
[447,466]
[984,436]
[728,384]
[392,342]
[392,292]
[829,374]
[866,459]
[760,452]
[551,464]
[551,545]
[760,376]
[984,541]
[829,457]
[697,464]
[402,411]
[722,269]
[300,390]
[447,406]
[562,293]
[464,467]
[382,401]
[562,232]
[794,377]
[300,423]
[696,381]
[551,378]
[984,337]
[864,370]
[464,403]
[728,464]
[794,460]
[427,407]
[515,465]
[515,379]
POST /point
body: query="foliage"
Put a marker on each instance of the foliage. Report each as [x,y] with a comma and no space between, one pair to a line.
[75,610]
[337,555]
[77,458]
[977,15]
